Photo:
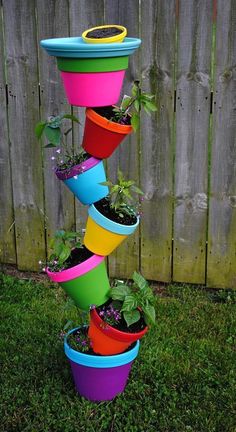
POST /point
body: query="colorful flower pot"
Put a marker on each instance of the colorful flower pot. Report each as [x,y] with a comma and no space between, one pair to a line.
[111,39]
[100,378]
[103,235]
[107,340]
[102,136]
[87,84]
[93,88]
[86,283]
[84,180]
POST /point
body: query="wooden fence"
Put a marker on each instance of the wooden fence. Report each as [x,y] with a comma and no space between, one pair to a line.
[184,157]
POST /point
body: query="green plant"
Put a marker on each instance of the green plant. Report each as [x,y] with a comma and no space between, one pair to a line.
[133,298]
[62,245]
[52,129]
[122,195]
[131,107]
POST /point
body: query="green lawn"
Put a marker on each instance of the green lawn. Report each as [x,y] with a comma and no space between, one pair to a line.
[183,379]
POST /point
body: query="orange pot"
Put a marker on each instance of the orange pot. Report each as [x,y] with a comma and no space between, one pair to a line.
[107,340]
[102,136]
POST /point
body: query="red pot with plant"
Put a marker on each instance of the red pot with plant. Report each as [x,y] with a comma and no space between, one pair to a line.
[124,318]
[106,127]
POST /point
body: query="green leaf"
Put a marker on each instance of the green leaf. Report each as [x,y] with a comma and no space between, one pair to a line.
[135,121]
[119,292]
[53,134]
[50,145]
[125,102]
[71,117]
[137,190]
[106,183]
[147,96]
[64,254]
[150,106]
[137,105]
[39,128]
[130,303]
[149,314]
[139,280]
[131,317]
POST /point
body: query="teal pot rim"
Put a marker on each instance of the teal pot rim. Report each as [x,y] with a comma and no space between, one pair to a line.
[110,225]
[75,47]
[100,362]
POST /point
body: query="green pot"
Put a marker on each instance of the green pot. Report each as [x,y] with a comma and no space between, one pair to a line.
[107,64]
[87,283]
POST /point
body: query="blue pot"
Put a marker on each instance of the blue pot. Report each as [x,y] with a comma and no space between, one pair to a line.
[84,180]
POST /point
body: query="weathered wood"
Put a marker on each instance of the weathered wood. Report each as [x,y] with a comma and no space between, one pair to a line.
[192,130]
[125,259]
[52,21]
[221,268]
[26,161]
[157,60]
[7,230]
[83,15]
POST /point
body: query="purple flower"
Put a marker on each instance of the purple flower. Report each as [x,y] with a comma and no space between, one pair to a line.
[53,158]
[58,151]
[92,306]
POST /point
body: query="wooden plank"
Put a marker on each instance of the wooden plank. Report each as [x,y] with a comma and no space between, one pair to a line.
[7,230]
[221,264]
[157,59]
[26,161]
[59,201]
[83,15]
[192,130]
[125,259]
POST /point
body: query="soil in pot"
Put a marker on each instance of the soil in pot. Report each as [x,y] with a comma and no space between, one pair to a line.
[121,325]
[77,256]
[103,206]
[108,113]
[103,32]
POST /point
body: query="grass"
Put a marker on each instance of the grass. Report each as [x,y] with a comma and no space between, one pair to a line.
[183,379]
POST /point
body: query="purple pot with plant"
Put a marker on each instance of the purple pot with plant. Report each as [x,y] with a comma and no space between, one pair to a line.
[80,172]
[97,378]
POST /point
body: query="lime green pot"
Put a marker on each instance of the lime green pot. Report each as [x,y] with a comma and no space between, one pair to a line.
[106,64]
[86,283]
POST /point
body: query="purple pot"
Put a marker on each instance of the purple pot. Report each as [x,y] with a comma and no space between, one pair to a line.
[100,378]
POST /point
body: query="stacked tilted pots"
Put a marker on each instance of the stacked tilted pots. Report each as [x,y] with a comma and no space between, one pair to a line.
[92,74]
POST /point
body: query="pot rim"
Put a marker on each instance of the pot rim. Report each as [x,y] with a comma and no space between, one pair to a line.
[77,169]
[114,333]
[110,225]
[97,361]
[108,124]
[76,271]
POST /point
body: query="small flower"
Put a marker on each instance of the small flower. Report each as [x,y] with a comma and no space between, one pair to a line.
[44,269]
[40,262]
[92,306]
[53,158]
[75,177]
[55,262]
[58,151]
[61,161]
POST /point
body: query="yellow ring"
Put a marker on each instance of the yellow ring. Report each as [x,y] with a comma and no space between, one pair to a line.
[117,38]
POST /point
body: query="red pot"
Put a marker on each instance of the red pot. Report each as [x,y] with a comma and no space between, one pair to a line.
[107,340]
[102,136]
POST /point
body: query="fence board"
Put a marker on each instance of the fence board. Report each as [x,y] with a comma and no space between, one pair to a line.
[125,259]
[22,73]
[222,214]
[83,15]
[7,231]
[59,201]
[192,130]
[157,59]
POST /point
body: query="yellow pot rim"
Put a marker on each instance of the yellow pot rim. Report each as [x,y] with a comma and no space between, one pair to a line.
[117,38]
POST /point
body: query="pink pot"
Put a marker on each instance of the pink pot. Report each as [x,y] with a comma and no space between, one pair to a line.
[93,89]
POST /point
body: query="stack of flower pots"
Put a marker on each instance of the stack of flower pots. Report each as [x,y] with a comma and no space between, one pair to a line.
[92,72]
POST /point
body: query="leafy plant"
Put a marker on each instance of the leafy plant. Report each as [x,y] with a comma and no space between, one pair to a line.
[52,130]
[62,245]
[138,296]
[131,106]
[111,315]
[122,195]
[80,341]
